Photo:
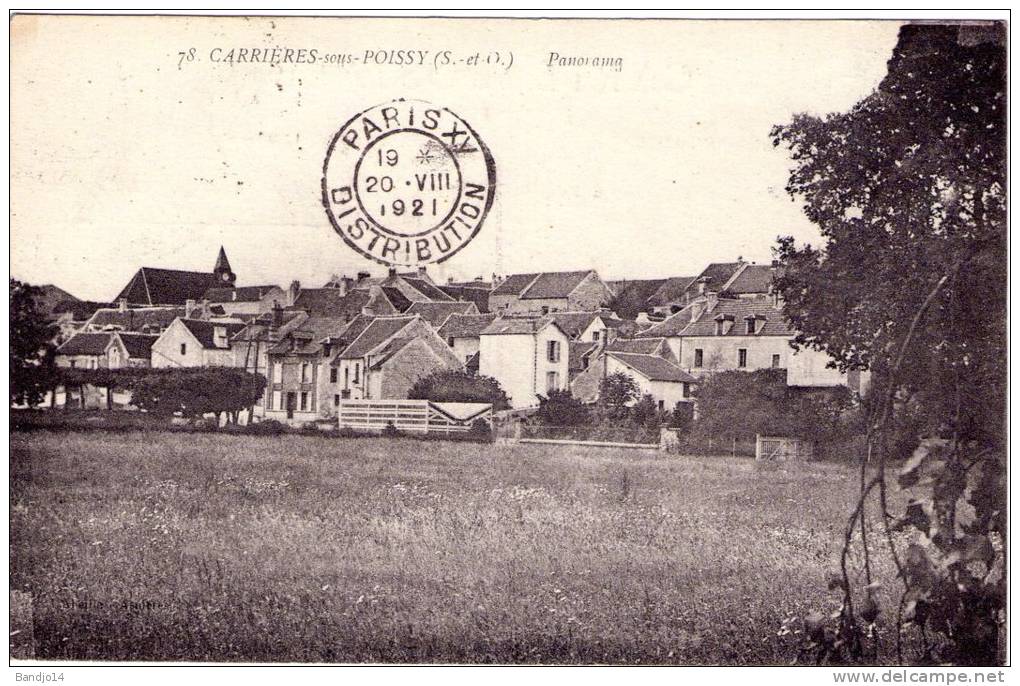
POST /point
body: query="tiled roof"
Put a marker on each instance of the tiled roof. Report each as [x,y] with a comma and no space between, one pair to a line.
[753,278]
[262,329]
[241,294]
[329,302]
[152,286]
[671,326]
[138,345]
[739,309]
[518,325]
[397,299]
[653,367]
[514,284]
[392,347]
[643,346]
[576,352]
[436,314]
[575,323]
[554,285]
[427,289]
[85,344]
[671,290]
[479,295]
[153,318]
[380,330]
[203,330]
[465,325]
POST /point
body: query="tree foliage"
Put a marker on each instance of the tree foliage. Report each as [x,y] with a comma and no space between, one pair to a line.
[908,189]
[738,405]
[616,392]
[31,351]
[195,392]
[560,408]
[455,386]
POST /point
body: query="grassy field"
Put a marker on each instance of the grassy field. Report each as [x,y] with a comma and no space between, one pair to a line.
[156,546]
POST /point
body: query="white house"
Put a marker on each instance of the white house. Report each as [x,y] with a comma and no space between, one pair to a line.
[664,381]
[196,343]
[528,356]
[462,332]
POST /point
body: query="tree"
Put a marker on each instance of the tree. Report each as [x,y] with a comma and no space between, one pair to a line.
[560,408]
[455,386]
[195,392]
[908,189]
[616,392]
[31,349]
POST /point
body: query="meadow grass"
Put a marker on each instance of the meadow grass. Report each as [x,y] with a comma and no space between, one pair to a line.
[205,547]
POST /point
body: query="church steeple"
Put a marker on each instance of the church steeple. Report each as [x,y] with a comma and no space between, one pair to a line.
[222,272]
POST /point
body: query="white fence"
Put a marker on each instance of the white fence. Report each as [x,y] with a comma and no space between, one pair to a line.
[412,415]
[777,448]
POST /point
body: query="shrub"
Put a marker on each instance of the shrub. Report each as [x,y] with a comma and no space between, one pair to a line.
[269,427]
[455,386]
[391,431]
[560,408]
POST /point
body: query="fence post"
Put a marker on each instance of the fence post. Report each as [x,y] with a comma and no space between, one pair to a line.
[733,450]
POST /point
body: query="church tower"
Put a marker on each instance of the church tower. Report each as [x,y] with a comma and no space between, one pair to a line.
[224,276]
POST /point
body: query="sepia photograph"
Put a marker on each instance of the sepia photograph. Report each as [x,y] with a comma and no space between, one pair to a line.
[509,340]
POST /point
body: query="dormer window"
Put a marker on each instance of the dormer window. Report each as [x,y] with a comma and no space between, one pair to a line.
[220,336]
[723,324]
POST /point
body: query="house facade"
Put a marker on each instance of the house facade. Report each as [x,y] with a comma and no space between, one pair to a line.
[245,301]
[195,343]
[542,293]
[528,356]
[462,332]
[664,381]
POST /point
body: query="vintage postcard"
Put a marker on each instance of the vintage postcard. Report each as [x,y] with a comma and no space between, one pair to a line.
[510,341]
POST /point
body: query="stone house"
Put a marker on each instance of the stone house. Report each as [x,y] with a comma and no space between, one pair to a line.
[746,332]
[196,343]
[461,333]
[129,350]
[542,293]
[245,301]
[84,351]
[528,356]
[383,357]
[663,380]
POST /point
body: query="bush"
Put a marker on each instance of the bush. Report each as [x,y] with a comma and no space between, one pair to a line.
[268,427]
[391,431]
[454,386]
[480,429]
[560,408]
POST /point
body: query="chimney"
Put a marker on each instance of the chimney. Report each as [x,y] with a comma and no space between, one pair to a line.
[189,305]
[277,315]
[122,305]
[478,278]
[206,313]
[374,292]
[422,273]
[293,292]
[449,280]
[702,284]
[392,272]
[713,299]
[344,284]
[362,276]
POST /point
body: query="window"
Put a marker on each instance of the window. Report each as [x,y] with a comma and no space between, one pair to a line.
[545,309]
[74,364]
[553,351]
[357,372]
[662,405]
[687,390]
[184,348]
[595,336]
[347,374]
[742,357]
[277,372]
[449,341]
[775,361]
[699,357]
[304,401]
[277,401]
[332,375]
[306,373]
[336,400]
[552,381]
[749,326]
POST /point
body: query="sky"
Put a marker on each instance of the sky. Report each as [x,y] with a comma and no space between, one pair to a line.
[125,152]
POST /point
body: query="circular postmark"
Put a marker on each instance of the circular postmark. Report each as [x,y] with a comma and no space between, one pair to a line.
[407,183]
